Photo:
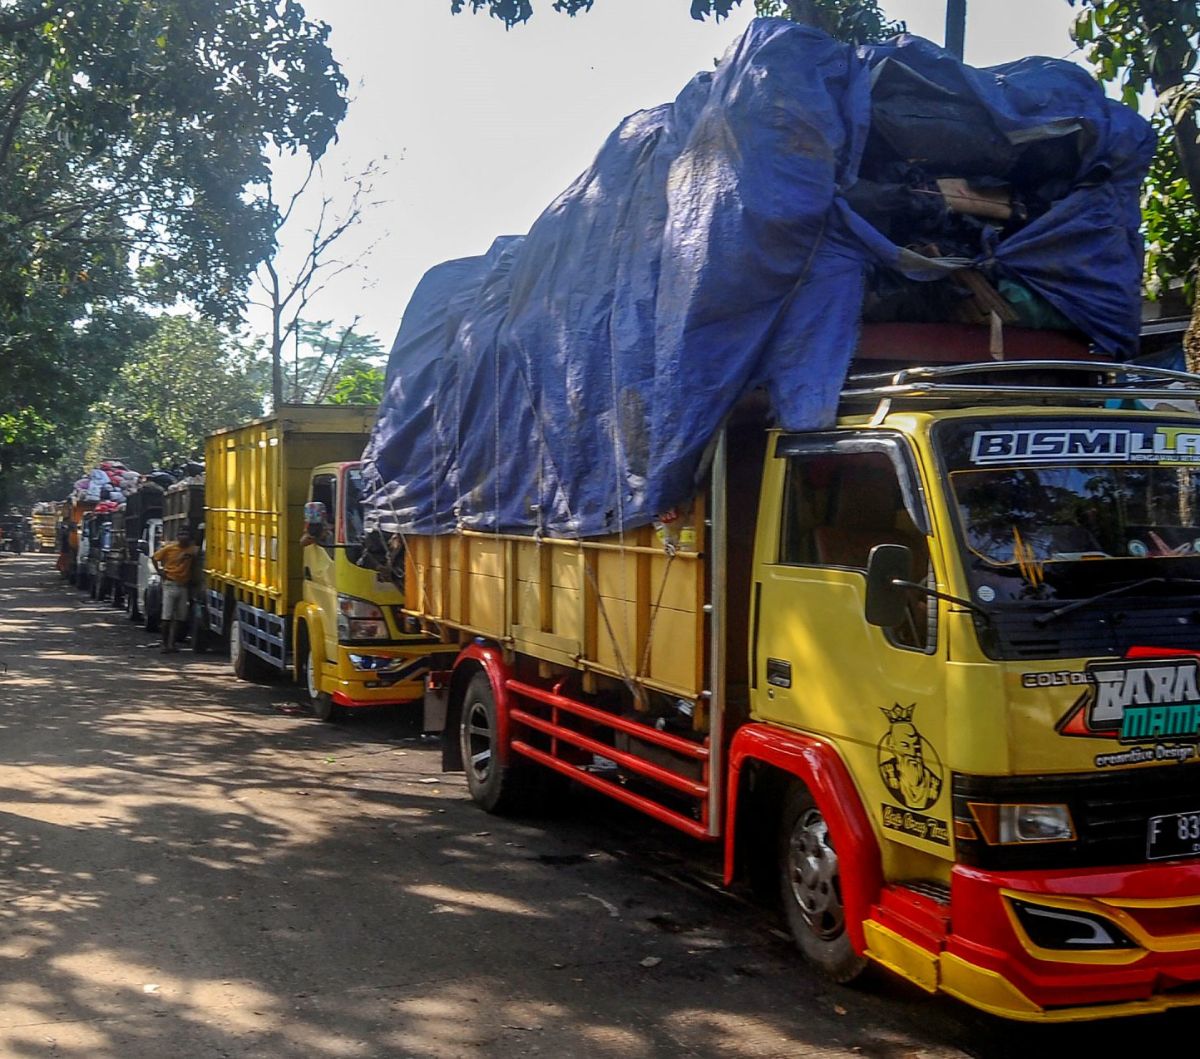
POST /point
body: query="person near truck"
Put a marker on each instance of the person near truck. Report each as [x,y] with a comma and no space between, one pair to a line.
[174,563]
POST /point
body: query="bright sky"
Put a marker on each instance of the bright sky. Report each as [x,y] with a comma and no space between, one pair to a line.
[482,128]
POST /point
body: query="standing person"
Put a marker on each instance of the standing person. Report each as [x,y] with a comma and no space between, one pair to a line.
[174,562]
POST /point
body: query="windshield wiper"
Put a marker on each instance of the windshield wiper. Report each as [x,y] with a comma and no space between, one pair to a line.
[1045,619]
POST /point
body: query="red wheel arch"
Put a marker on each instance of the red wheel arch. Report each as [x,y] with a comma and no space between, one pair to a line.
[817,765]
[490,659]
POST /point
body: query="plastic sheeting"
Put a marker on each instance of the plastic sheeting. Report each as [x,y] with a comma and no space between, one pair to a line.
[569,382]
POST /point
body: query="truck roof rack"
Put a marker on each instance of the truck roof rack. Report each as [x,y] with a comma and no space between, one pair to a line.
[1018,382]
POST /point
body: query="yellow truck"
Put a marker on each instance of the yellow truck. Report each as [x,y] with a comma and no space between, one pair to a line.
[933,673]
[283,535]
[45,525]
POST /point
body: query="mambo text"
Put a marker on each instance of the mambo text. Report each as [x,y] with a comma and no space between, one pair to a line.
[1165,444]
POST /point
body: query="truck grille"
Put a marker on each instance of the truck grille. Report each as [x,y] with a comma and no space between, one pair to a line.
[1110,812]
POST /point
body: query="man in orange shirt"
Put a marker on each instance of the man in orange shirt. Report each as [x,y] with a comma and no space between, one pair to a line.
[174,562]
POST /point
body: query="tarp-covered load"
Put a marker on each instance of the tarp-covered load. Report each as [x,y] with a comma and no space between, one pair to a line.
[568,382]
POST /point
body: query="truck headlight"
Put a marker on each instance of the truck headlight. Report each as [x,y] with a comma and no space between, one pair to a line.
[360,620]
[1007,825]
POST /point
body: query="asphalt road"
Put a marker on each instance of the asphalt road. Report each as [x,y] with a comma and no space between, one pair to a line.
[191,867]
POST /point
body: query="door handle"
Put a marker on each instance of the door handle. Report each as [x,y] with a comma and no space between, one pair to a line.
[779,672]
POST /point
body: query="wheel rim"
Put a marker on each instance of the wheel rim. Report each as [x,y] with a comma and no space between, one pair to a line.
[813,876]
[479,742]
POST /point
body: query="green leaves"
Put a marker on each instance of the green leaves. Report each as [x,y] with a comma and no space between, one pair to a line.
[134,138]
[364,386]
[1151,44]
[182,382]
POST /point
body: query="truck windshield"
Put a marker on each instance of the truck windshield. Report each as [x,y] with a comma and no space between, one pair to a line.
[352,497]
[1055,510]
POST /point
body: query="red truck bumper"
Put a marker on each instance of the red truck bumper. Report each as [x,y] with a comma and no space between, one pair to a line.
[1051,946]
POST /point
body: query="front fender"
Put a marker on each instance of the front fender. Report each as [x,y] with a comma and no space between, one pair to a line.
[307,616]
[819,766]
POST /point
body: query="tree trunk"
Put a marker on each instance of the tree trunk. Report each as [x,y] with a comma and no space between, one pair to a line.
[1191,340]
[956,27]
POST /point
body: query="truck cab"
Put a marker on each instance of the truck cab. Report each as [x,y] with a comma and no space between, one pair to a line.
[353,646]
[1019,712]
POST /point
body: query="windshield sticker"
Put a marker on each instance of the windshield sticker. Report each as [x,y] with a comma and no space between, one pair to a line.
[1139,702]
[1150,444]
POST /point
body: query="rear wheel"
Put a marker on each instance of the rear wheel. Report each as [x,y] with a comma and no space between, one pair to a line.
[497,787]
[320,702]
[811,888]
[198,629]
[153,615]
[246,666]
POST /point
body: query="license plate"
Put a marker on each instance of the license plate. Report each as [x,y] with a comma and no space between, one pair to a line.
[1174,835]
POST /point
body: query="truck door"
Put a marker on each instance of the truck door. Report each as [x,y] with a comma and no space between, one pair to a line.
[877,694]
[320,581]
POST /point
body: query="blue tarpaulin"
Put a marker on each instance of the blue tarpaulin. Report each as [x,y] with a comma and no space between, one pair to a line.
[569,381]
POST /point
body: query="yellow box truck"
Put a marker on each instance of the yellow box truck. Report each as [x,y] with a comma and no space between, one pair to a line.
[283,535]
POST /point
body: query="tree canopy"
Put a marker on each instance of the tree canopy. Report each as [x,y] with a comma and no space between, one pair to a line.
[135,142]
[851,20]
[333,361]
[185,380]
[1151,45]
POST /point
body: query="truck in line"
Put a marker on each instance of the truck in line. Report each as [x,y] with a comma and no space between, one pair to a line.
[45,525]
[143,536]
[932,675]
[303,608]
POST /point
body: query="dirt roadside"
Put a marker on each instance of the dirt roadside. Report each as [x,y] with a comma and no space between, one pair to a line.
[191,866]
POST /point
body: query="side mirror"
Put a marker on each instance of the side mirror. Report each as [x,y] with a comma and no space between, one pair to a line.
[887,602]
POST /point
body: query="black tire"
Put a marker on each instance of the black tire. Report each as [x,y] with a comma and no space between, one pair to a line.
[198,630]
[320,702]
[811,890]
[131,606]
[152,619]
[246,666]
[495,787]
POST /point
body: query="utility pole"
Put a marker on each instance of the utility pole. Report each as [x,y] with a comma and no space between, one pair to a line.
[956,27]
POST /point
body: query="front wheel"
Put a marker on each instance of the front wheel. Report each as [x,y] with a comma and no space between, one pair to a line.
[320,702]
[811,888]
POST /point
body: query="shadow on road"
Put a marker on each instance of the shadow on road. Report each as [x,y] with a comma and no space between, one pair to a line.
[190,866]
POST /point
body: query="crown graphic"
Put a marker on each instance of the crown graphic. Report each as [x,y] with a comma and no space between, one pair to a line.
[898,714]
